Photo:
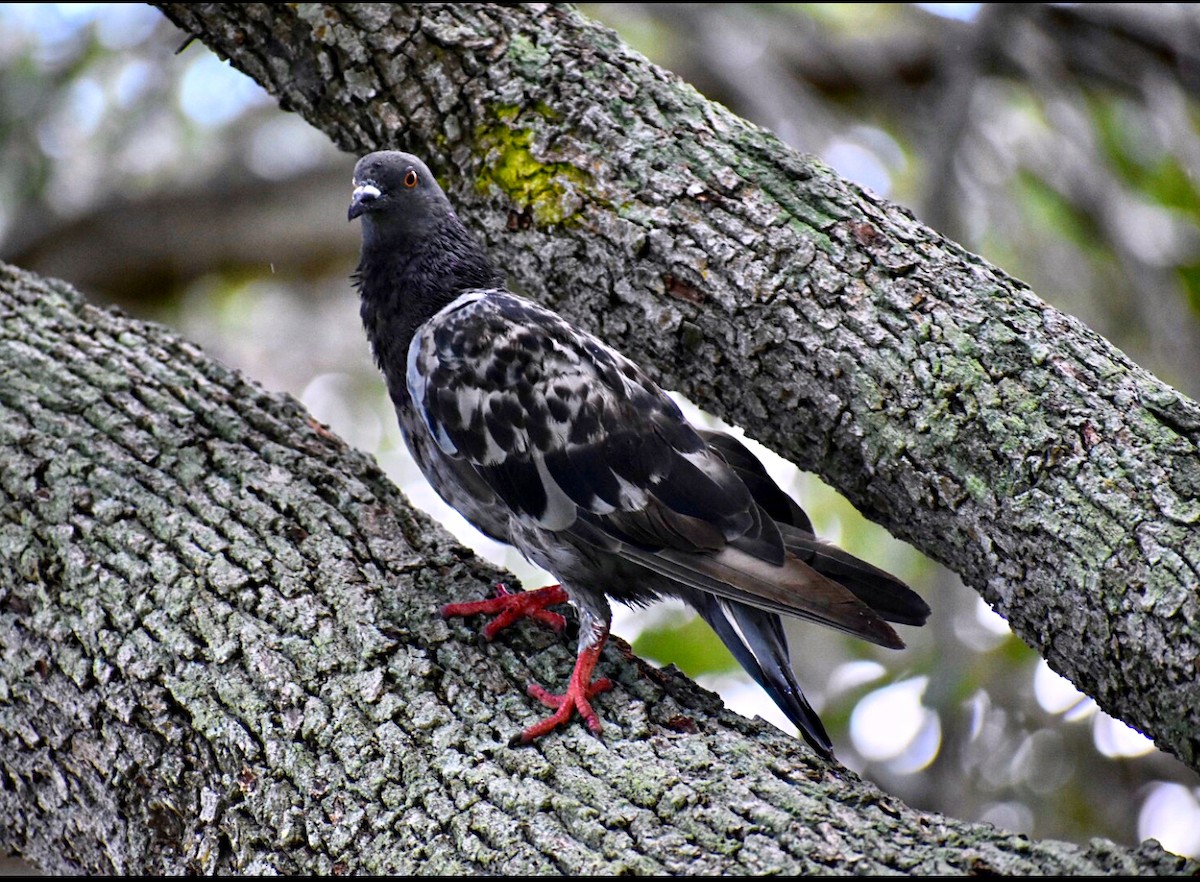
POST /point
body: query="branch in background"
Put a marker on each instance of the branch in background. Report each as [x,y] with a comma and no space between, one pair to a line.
[1109,45]
[119,249]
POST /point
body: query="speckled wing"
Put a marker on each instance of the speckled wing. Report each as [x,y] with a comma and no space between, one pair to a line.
[574,439]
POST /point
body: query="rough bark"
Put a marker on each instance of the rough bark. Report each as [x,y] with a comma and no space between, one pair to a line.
[220,655]
[941,396]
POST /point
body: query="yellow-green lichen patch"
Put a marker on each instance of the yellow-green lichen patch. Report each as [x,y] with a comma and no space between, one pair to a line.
[551,192]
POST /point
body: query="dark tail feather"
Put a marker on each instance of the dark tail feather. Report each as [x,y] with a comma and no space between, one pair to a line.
[756,639]
[888,596]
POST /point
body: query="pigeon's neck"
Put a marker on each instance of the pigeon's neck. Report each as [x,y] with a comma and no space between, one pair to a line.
[403,284]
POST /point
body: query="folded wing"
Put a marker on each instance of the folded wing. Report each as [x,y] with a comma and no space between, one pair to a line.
[575,439]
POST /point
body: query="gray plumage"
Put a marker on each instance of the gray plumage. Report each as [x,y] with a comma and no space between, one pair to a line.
[544,437]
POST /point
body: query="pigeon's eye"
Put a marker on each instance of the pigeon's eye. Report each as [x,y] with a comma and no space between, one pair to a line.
[410,178]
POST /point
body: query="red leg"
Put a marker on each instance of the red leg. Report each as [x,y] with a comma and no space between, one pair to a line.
[510,606]
[580,689]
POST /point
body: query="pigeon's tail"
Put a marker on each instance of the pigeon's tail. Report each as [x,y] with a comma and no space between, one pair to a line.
[859,601]
[887,596]
[756,639]
[890,598]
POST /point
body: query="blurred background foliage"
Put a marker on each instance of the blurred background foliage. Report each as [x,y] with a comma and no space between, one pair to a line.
[1060,142]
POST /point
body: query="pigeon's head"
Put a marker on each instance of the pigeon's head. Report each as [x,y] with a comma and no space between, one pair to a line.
[397,197]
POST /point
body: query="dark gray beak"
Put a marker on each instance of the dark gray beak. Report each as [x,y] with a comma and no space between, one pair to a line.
[360,202]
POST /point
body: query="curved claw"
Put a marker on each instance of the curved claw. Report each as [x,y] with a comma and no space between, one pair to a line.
[510,606]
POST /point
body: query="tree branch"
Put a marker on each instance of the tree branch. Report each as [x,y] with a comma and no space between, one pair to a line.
[941,396]
[116,250]
[220,655]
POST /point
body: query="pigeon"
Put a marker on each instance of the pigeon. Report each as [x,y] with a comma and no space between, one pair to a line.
[545,438]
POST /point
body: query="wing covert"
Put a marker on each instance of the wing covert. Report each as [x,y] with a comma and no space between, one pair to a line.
[557,423]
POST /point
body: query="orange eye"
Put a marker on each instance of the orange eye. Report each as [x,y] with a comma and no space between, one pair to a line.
[410,178]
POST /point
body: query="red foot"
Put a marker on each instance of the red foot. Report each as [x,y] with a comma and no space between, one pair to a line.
[580,689]
[510,606]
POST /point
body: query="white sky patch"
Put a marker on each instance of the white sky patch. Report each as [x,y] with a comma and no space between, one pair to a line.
[212,93]
[125,25]
[1171,814]
[853,674]
[858,163]
[1115,739]
[958,11]
[1057,695]
[982,628]
[891,720]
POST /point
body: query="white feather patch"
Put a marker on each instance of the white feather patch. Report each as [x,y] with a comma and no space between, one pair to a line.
[416,373]
[561,510]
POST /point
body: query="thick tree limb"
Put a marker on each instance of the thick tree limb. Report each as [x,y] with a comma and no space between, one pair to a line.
[116,251]
[219,655]
[940,395]
[1112,45]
